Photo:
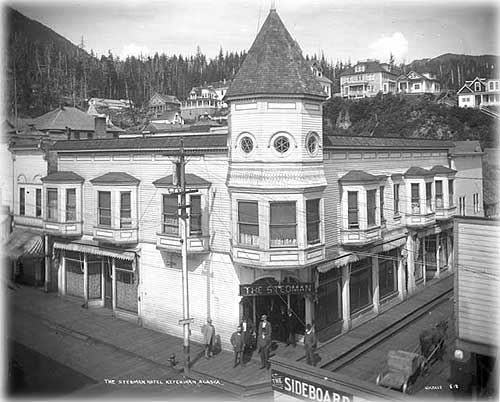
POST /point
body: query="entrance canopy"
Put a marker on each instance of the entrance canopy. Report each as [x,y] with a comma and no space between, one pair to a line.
[96,250]
[23,243]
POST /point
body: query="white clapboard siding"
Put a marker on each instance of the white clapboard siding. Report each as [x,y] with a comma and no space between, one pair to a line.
[477,270]
[338,163]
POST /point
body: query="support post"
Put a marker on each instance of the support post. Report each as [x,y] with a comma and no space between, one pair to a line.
[375,284]
[85,280]
[410,244]
[346,298]
[47,263]
[401,277]
[438,261]
[113,283]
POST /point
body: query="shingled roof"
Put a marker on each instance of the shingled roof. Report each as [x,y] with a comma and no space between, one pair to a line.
[274,65]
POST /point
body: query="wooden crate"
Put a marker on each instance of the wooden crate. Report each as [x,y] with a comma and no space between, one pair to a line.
[403,362]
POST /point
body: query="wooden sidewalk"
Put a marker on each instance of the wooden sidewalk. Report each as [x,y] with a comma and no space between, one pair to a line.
[101,326]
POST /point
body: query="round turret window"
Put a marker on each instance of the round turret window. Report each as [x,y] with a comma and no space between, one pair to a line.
[312,143]
[246,144]
[282,144]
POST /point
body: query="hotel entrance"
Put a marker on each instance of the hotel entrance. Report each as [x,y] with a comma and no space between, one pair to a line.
[273,298]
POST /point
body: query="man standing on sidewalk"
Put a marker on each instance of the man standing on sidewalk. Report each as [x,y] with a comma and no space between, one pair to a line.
[208,331]
[264,341]
[310,344]
[238,346]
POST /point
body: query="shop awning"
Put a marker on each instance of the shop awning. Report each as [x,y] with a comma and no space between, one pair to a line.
[23,243]
[337,263]
[96,250]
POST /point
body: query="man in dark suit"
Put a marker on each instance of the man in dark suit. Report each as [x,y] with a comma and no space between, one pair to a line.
[310,344]
[291,328]
[248,332]
[264,341]
[238,345]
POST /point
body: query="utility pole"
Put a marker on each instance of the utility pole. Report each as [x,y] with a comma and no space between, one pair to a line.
[185,289]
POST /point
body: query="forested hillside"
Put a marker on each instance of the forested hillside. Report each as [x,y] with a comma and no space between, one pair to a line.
[409,117]
[45,70]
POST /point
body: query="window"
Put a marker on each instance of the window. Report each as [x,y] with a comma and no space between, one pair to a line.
[22,201]
[248,223]
[416,87]
[491,85]
[360,285]
[382,218]
[428,196]
[352,210]
[282,144]
[371,207]
[195,215]
[125,210]
[52,204]
[439,194]
[450,193]
[396,199]
[387,272]
[246,144]
[461,205]
[170,220]
[38,202]
[312,143]
[475,200]
[477,87]
[283,230]
[70,204]
[312,218]
[104,208]
[415,198]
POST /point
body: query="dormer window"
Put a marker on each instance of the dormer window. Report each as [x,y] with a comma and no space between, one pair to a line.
[359,68]
[477,87]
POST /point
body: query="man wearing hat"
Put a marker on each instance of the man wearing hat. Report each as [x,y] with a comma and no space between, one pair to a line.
[264,340]
[208,331]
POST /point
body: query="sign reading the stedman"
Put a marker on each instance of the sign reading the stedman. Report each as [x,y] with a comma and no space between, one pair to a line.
[278,289]
[307,390]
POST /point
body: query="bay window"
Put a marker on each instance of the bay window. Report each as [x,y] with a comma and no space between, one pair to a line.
[283,224]
[415,198]
[125,210]
[195,215]
[312,221]
[104,208]
[70,204]
[38,202]
[439,194]
[170,215]
[428,196]
[352,210]
[371,207]
[450,193]
[396,199]
[52,204]
[248,223]
[382,218]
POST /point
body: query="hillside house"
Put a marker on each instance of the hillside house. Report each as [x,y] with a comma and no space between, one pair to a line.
[325,82]
[367,79]
[111,104]
[418,83]
[161,103]
[205,100]
[338,229]
[479,92]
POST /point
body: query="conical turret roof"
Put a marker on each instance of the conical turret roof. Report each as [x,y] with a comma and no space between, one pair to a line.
[274,65]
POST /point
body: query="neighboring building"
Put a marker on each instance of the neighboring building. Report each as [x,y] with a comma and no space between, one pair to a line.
[111,104]
[338,229]
[474,365]
[367,79]
[491,174]
[325,82]
[418,83]
[466,159]
[479,92]
[68,122]
[205,100]
[160,103]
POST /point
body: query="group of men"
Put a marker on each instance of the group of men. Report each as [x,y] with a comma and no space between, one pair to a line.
[242,340]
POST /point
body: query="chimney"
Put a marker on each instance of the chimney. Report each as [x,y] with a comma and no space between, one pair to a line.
[100,128]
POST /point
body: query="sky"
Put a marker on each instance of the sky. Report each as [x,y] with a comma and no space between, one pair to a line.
[339,29]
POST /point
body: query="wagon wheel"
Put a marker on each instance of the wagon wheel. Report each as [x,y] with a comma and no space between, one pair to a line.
[377,381]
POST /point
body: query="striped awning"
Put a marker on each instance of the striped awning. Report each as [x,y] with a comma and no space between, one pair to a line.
[95,250]
[23,243]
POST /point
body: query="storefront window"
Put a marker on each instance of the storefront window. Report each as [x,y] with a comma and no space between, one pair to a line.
[195,215]
[371,207]
[70,204]
[248,223]
[352,210]
[387,266]
[126,286]
[170,216]
[95,276]
[415,198]
[104,208]
[312,216]
[419,261]
[52,204]
[443,251]
[74,273]
[328,310]
[360,287]
[283,224]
